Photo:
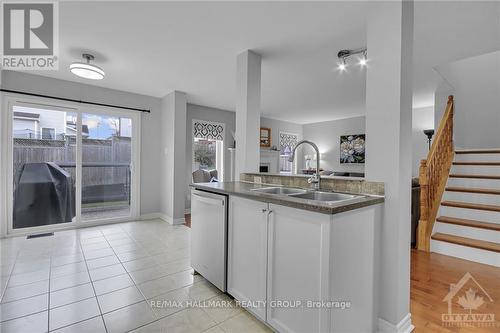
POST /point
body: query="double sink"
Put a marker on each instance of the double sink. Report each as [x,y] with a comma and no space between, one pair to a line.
[308,195]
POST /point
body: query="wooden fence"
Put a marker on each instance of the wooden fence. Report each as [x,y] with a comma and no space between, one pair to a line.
[116,150]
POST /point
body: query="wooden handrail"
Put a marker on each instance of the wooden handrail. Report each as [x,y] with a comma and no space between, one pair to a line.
[433,174]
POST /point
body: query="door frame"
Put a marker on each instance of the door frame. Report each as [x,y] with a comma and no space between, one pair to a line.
[6,167]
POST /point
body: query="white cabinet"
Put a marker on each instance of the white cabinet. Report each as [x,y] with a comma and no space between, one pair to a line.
[247,253]
[282,255]
[298,269]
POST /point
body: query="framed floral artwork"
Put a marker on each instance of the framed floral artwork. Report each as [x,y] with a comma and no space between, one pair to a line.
[352,148]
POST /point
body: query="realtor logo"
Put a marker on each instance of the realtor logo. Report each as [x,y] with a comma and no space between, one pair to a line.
[470,296]
[30,38]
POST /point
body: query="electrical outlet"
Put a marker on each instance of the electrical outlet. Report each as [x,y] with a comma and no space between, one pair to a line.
[257,180]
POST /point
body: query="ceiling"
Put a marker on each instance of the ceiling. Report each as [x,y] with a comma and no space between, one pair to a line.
[153,48]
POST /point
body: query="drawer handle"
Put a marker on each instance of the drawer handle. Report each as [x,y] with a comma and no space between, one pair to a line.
[264,210]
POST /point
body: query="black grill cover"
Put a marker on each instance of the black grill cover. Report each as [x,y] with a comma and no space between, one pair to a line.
[43,196]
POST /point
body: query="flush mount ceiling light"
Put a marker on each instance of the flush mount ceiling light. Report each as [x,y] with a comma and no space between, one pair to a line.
[86,69]
[344,55]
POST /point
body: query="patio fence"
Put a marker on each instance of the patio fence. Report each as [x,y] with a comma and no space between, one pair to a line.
[104,162]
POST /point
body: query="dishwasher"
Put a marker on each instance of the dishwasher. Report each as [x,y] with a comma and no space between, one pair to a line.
[209,236]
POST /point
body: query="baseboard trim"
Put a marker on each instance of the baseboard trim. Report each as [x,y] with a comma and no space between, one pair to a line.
[151,216]
[177,221]
[404,326]
[163,217]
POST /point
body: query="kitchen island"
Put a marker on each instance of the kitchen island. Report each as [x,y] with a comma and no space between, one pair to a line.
[300,264]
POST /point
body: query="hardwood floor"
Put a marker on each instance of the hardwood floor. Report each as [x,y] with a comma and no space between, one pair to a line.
[187,219]
[431,276]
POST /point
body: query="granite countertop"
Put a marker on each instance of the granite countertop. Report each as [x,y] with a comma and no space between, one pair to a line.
[244,189]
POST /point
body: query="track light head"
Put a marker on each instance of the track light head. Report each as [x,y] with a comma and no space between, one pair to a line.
[342,64]
[363,60]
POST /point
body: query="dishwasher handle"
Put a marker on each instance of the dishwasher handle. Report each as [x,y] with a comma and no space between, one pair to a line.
[208,200]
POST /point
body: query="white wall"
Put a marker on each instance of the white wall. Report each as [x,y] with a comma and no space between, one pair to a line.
[150,123]
[327,134]
[209,114]
[476,84]
[422,119]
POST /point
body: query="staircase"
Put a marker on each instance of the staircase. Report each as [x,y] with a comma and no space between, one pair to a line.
[468,220]
[459,198]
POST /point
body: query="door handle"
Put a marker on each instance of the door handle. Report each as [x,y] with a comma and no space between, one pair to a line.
[264,210]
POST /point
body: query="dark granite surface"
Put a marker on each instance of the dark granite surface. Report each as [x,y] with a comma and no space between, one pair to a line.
[244,189]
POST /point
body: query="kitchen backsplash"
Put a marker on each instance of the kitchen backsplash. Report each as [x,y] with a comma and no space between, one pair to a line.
[327,184]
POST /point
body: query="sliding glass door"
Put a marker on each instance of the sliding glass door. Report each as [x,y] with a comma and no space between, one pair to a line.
[106,162]
[70,165]
[43,167]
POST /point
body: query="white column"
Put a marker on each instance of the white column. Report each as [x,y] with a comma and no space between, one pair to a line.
[389,151]
[3,208]
[247,112]
[173,143]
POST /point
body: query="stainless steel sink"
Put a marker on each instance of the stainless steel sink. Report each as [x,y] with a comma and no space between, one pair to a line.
[280,190]
[326,196]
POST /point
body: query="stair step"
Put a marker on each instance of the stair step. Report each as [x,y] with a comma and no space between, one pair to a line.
[459,204]
[473,190]
[469,223]
[477,151]
[477,163]
[478,244]
[457,175]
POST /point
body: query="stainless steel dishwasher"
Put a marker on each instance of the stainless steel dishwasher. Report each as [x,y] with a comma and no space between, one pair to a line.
[209,236]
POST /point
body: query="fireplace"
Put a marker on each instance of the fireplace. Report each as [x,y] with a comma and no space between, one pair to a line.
[269,161]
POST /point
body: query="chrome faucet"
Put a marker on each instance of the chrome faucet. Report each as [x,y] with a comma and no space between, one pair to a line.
[315,179]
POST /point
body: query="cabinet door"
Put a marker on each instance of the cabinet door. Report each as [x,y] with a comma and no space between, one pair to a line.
[247,253]
[298,269]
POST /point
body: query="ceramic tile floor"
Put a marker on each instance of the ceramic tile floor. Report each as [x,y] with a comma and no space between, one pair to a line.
[113,278]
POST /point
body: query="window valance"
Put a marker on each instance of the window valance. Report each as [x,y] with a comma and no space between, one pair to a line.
[203,129]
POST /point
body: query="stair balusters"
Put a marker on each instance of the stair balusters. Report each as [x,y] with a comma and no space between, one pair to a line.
[434,173]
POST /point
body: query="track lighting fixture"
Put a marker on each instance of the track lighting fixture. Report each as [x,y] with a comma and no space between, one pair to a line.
[344,55]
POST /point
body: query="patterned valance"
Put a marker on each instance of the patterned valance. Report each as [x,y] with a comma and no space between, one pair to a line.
[203,129]
[288,141]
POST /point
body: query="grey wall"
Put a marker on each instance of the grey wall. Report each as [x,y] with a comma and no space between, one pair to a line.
[209,114]
[150,123]
[475,83]
[327,136]
[278,126]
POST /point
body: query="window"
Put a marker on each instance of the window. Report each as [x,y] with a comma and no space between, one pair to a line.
[48,133]
[208,147]
[288,141]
